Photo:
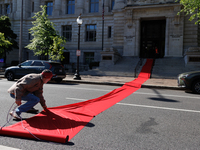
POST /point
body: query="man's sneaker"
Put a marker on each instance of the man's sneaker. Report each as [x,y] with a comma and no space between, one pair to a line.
[32,110]
[15,115]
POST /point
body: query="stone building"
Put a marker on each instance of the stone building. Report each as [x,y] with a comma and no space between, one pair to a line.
[140,28]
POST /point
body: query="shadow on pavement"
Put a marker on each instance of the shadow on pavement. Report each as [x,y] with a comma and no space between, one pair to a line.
[164,100]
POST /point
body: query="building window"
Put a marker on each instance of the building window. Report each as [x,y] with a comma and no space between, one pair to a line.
[109,31]
[94,6]
[7,8]
[70,6]
[0,8]
[49,8]
[91,32]
[29,36]
[32,7]
[37,63]
[88,57]
[112,4]
[67,32]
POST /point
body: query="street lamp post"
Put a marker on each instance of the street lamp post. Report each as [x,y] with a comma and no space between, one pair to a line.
[79,22]
[21,33]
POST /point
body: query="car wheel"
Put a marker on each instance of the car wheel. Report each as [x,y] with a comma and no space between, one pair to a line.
[196,87]
[10,76]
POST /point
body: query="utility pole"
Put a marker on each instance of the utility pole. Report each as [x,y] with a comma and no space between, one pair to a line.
[21,33]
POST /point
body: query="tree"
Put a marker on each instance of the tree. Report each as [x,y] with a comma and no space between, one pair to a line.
[191,7]
[8,37]
[3,42]
[46,40]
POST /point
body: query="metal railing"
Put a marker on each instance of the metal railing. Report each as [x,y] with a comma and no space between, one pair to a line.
[154,59]
[138,66]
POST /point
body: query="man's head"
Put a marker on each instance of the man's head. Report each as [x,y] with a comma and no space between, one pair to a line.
[46,75]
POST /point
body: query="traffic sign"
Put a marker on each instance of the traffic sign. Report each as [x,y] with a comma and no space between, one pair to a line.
[78,52]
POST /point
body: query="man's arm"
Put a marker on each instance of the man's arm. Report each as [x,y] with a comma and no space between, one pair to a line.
[39,93]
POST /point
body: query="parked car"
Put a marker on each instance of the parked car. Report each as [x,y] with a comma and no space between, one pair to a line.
[190,80]
[35,66]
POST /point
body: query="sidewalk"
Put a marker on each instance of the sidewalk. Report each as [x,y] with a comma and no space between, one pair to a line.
[119,81]
[116,80]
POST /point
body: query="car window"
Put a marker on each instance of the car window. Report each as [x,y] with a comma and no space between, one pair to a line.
[26,63]
[37,63]
[47,65]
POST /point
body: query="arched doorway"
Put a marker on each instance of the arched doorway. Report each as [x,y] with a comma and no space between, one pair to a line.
[152,38]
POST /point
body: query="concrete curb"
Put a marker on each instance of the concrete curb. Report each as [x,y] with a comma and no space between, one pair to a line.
[90,82]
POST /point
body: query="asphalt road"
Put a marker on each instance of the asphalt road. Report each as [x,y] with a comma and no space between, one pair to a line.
[147,119]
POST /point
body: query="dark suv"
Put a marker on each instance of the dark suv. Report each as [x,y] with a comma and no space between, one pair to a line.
[35,66]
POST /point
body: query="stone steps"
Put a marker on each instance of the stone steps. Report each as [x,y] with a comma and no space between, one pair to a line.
[123,67]
[167,68]
[170,67]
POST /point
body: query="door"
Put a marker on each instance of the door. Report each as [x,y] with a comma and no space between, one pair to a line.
[152,38]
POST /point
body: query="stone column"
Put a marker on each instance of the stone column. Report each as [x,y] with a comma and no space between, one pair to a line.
[14,6]
[137,41]
[57,10]
[119,4]
[106,6]
[18,10]
[36,5]
[167,37]
[80,6]
[13,10]
[27,9]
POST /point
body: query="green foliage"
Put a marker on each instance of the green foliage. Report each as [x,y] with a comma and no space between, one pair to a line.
[191,7]
[46,40]
[8,36]
[57,48]
[4,42]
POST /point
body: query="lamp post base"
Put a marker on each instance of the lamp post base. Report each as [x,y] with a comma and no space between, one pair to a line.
[77,77]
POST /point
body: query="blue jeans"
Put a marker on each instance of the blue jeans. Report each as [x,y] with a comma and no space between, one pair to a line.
[31,99]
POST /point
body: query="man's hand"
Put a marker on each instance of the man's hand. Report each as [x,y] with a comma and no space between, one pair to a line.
[18,102]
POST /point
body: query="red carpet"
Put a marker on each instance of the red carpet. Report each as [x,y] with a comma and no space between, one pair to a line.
[61,124]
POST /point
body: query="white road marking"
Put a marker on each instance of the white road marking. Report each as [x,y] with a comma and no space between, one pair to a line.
[77,88]
[7,148]
[144,106]
[156,107]
[76,99]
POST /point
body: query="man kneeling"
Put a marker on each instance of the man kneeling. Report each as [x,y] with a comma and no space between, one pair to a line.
[30,89]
